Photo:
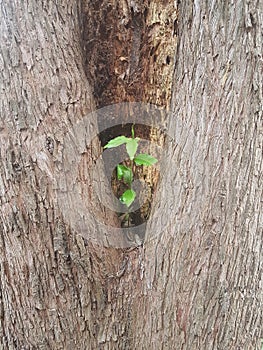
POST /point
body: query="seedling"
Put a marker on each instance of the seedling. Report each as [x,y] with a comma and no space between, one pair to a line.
[125,173]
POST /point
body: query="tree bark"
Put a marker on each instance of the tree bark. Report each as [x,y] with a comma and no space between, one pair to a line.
[195,282]
[203,272]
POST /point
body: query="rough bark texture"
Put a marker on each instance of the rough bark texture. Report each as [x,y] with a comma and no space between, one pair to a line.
[195,284]
[203,287]
[54,285]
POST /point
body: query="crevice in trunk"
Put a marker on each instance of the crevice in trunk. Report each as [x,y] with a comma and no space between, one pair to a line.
[128,56]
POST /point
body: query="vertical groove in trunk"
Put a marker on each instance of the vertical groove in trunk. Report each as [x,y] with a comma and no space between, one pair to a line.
[129,54]
[58,290]
[129,50]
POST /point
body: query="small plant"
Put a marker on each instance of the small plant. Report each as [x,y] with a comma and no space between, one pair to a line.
[125,173]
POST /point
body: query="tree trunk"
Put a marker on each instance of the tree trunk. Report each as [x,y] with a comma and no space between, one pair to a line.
[195,281]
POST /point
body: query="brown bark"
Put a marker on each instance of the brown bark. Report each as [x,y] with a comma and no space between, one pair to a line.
[129,50]
[56,288]
[203,272]
[195,283]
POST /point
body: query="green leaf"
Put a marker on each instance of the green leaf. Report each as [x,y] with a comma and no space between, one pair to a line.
[145,159]
[125,173]
[128,197]
[117,141]
[131,147]
[120,170]
[127,176]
